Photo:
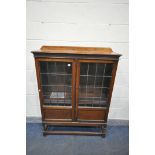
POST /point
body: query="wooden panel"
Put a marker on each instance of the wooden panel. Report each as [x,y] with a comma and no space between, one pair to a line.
[39,85]
[73,89]
[105,57]
[111,87]
[91,114]
[72,133]
[57,113]
[95,61]
[69,123]
[77,88]
[77,50]
[35,44]
[55,59]
[63,48]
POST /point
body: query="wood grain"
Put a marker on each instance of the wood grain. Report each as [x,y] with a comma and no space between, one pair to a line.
[76,50]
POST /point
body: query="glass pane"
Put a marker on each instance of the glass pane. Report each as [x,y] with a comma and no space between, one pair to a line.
[56,82]
[94,84]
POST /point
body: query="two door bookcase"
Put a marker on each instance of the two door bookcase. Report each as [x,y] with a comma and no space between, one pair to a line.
[75,87]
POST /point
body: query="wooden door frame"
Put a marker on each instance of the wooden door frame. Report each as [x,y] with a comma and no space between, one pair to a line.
[115,63]
[37,65]
[75,82]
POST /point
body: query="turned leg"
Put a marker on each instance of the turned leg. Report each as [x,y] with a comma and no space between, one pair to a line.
[45,126]
[103,130]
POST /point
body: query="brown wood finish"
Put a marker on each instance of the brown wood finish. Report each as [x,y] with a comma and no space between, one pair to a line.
[91,114]
[56,107]
[111,87]
[68,123]
[55,59]
[84,113]
[73,88]
[77,88]
[75,115]
[57,113]
[95,61]
[50,120]
[73,133]
[39,86]
[76,50]
[112,81]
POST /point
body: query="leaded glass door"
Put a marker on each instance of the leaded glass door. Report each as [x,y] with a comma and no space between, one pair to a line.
[93,89]
[74,89]
[57,87]
[56,80]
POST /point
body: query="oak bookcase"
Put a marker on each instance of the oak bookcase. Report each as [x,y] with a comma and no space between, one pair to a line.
[75,86]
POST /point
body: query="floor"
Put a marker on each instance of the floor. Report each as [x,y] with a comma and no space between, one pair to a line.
[116,142]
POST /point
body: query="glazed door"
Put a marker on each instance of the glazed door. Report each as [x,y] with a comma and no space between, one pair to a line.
[56,78]
[92,89]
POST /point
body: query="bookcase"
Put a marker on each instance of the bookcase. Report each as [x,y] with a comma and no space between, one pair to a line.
[75,87]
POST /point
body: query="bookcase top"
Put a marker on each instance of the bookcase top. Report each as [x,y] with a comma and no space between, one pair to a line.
[76,50]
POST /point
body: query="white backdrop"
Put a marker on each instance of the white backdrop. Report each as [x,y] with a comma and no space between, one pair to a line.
[100,23]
